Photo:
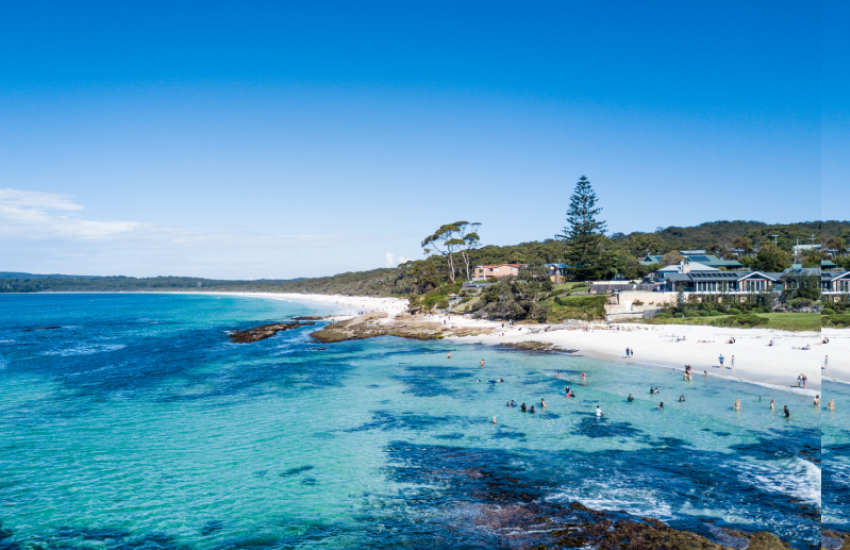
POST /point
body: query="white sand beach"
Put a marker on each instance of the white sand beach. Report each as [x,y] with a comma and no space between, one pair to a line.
[339,304]
[674,346]
[670,346]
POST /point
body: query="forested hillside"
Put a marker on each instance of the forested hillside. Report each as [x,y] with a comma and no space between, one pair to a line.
[621,252]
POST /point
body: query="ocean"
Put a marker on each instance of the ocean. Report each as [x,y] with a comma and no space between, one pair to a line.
[129,421]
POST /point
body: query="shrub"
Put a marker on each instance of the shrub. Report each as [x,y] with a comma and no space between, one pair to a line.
[734,311]
[690,313]
[837,321]
[679,315]
[827,311]
[663,315]
[443,304]
[637,303]
[704,313]
[741,321]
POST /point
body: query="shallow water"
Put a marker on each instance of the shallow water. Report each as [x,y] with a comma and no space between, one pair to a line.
[136,423]
[836,457]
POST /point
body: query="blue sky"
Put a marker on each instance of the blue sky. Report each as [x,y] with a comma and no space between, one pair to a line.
[280,140]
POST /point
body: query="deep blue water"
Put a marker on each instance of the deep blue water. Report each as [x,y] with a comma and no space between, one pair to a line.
[129,421]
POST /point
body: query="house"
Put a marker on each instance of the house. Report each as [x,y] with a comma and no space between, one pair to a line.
[719,282]
[497,270]
[835,284]
[698,256]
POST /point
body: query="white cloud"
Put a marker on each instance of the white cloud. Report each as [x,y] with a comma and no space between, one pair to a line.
[32,214]
[392,262]
[46,233]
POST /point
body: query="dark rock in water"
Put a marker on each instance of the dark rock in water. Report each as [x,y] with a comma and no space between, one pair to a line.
[309,481]
[40,328]
[211,527]
[263,332]
[832,540]
[295,471]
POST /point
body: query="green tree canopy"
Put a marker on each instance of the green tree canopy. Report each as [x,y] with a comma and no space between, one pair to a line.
[584,233]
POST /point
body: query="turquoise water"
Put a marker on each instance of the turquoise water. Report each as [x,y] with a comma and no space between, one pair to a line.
[836,457]
[130,421]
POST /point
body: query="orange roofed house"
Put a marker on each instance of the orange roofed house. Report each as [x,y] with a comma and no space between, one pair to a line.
[497,270]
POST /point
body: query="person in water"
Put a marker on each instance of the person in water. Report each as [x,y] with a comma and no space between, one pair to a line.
[660,406]
[785,412]
[771,405]
[450,356]
[630,398]
[531,410]
[500,380]
[482,363]
[599,413]
[817,401]
[543,404]
[831,405]
[737,405]
[682,398]
[571,394]
[494,420]
[523,408]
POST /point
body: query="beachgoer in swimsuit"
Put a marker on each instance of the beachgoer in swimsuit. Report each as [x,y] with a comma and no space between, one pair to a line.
[482,363]
[831,405]
[543,404]
[599,412]
[523,408]
[817,401]
[660,406]
[450,355]
[771,405]
[786,413]
[630,398]
[531,410]
[494,420]
[737,406]
[681,399]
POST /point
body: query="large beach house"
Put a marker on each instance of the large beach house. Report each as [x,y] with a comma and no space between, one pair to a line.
[835,284]
[699,256]
[497,270]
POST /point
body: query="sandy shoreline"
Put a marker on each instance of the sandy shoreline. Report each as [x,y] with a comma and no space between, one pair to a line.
[670,346]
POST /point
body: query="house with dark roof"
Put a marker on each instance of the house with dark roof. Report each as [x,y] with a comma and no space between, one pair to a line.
[835,284]
[697,256]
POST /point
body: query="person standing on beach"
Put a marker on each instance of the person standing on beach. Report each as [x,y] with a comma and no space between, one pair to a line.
[627,352]
[805,379]
[826,362]
[799,380]
[732,362]
[720,359]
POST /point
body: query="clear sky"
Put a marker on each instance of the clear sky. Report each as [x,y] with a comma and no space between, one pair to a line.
[285,139]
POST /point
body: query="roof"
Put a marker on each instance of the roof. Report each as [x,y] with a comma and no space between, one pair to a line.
[694,266]
[718,276]
[834,275]
[802,271]
[500,265]
[709,260]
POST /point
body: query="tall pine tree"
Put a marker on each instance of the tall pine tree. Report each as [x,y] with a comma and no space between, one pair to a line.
[584,234]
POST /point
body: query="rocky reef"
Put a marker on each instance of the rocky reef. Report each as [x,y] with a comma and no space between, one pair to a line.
[377,324]
[265,331]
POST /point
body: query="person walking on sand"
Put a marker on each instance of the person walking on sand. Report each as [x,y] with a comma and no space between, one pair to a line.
[732,362]
[627,353]
[805,380]
[799,380]
[720,359]
[826,362]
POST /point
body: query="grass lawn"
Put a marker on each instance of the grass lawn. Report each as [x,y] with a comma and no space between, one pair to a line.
[777,321]
[567,286]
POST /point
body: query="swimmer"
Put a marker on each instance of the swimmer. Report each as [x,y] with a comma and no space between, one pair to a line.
[706,373]
[681,399]
[771,405]
[543,404]
[513,403]
[630,398]
[785,412]
[531,410]
[660,406]
[817,401]
[831,405]
[737,405]
[571,394]
[500,380]
[523,408]
[599,412]
[450,355]
[583,376]
[651,390]
[482,363]
[494,420]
